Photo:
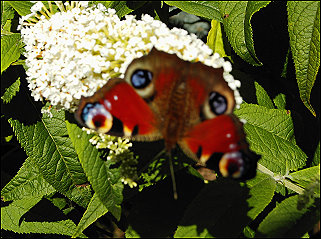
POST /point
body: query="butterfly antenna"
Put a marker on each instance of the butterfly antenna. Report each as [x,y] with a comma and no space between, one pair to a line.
[171,167]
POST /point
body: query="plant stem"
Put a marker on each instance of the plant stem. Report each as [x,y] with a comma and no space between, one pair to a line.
[284,181]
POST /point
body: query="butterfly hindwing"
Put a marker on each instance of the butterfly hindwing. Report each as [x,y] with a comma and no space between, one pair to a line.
[220,143]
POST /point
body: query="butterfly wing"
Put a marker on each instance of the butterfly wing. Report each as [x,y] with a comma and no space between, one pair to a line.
[220,144]
[116,109]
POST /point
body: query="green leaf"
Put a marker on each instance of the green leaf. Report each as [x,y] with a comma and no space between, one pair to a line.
[27,183]
[270,133]
[10,49]
[316,158]
[60,203]
[285,220]
[47,143]
[105,182]
[220,208]
[304,32]
[306,177]
[263,98]
[7,14]
[10,220]
[207,9]
[215,40]
[262,189]
[22,7]
[236,20]
[236,17]
[280,101]
[120,7]
[8,138]
[248,232]
[131,233]
[11,91]
[95,210]
[190,232]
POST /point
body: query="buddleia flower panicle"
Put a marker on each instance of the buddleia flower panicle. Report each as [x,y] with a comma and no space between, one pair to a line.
[73,52]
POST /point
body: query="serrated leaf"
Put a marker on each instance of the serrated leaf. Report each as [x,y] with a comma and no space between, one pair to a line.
[236,20]
[103,180]
[220,208]
[306,177]
[214,38]
[95,210]
[11,91]
[270,133]
[304,32]
[285,220]
[316,157]
[280,101]
[47,143]
[262,97]
[22,7]
[236,17]
[7,14]
[207,9]
[262,189]
[10,49]
[27,183]
[10,220]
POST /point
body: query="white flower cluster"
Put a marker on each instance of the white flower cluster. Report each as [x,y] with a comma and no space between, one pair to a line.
[74,52]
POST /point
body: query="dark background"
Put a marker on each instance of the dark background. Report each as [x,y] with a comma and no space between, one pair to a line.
[271,43]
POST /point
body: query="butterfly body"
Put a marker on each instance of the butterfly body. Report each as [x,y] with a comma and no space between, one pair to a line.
[184,103]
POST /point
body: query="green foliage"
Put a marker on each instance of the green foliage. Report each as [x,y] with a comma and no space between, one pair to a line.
[120,7]
[10,49]
[105,181]
[286,220]
[95,210]
[46,143]
[316,158]
[7,14]
[235,17]
[12,219]
[62,168]
[28,182]
[304,32]
[11,91]
[214,38]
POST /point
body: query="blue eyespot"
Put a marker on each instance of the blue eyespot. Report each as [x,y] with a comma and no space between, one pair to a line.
[96,117]
[141,78]
[218,103]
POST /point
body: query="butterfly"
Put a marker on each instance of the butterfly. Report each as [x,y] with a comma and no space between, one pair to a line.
[187,104]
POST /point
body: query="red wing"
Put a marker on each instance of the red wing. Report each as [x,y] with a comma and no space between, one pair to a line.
[118,110]
[221,140]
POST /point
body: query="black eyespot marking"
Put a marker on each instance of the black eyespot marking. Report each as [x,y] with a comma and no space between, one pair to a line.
[141,78]
[117,128]
[135,130]
[199,152]
[233,167]
[99,120]
[212,162]
[218,103]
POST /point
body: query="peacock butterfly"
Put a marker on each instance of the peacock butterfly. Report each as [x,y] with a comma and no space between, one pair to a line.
[184,103]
